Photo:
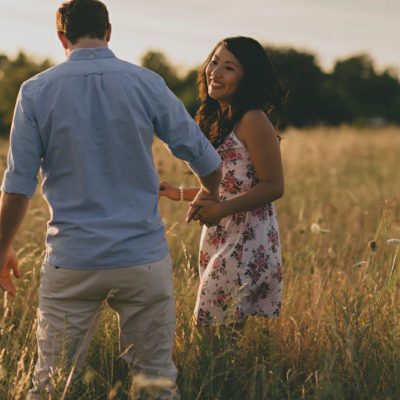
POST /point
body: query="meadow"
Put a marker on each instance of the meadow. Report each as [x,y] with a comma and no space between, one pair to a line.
[338,336]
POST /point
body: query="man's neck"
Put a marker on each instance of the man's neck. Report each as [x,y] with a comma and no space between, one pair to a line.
[85,43]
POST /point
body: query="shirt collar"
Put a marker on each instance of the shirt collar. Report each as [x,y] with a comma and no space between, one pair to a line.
[87,53]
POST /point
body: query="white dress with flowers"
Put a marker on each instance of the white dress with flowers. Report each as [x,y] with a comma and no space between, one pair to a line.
[240,261]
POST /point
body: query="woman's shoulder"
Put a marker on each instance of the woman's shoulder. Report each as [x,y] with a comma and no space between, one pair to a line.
[253,124]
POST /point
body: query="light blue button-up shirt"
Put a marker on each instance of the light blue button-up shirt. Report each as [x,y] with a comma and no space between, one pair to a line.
[88,125]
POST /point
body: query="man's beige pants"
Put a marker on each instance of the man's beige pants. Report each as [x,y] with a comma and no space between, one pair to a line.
[70,305]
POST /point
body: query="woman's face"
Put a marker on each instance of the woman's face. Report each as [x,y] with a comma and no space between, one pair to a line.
[224,74]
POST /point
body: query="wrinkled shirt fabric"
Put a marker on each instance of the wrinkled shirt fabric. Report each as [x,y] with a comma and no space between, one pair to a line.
[88,125]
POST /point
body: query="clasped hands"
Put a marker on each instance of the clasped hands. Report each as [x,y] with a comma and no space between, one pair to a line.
[205,209]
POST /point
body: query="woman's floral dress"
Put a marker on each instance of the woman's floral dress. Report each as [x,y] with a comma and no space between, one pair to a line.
[240,262]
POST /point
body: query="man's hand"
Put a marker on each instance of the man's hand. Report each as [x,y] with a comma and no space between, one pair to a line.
[8,262]
[13,208]
[209,212]
[209,191]
[194,205]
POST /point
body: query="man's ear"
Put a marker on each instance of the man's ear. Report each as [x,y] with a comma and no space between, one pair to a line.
[63,40]
[108,33]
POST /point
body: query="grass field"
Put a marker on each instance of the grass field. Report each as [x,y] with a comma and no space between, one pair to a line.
[338,336]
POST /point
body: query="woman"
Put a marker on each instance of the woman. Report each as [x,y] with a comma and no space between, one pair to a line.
[239,262]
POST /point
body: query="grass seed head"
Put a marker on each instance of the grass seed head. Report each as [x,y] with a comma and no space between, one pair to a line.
[359,264]
[372,245]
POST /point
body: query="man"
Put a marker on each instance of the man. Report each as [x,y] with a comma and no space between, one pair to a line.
[88,125]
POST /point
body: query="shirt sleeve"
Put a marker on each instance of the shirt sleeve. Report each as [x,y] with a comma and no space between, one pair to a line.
[175,127]
[25,151]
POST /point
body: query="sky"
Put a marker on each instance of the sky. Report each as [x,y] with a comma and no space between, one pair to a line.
[187,30]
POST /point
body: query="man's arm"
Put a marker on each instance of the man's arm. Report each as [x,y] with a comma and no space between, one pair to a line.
[209,190]
[12,212]
[175,127]
[210,183]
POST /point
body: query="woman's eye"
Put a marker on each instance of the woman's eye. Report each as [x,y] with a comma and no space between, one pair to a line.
[229,68]
[213,62]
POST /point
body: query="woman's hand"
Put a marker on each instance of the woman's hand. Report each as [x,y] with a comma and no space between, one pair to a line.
[168,190]
[209,212]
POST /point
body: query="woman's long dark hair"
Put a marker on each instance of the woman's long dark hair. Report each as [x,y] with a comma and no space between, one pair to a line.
[259,89]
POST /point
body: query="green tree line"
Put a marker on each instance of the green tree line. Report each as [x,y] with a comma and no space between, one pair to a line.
[12,73]
[354,92]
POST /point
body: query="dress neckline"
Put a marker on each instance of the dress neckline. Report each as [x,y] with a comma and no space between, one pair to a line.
[234,137]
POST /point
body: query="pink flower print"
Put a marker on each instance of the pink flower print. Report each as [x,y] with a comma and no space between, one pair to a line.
[278,274]
[203,317]
[241,254]
[216,236]
[248,233]
[251,171]
[260,213]
[230,183]
[273,238]
[213,240]
[237,254]
[204,259]
[203,289]
[222,299]
[229,142]
[239,218]
[276,312]
[260,256]
[258,265]
[232,155]
[259,294]
[270,209]
[223,238]
[254,274]
[218,268]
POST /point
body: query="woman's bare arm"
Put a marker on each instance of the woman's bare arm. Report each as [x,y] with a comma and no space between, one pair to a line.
[256,132]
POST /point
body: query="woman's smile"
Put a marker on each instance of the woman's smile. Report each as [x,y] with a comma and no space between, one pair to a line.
[224,74]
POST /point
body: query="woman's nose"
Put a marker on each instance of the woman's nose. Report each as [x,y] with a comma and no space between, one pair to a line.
[216,71]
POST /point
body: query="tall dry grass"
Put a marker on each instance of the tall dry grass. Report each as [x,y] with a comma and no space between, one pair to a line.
[338,336]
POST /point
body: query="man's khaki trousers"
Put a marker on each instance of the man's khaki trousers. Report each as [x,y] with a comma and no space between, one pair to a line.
[70,305]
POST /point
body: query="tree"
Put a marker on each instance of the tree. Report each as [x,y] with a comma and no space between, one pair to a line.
[183,87]
[367,93]
[354,91]
[302,77]
[12,74]
[158,62]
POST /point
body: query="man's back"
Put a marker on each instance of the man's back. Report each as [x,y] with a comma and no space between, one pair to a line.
[94,117]
[88,124]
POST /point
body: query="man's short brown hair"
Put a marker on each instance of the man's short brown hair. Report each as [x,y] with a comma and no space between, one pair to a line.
[82,18]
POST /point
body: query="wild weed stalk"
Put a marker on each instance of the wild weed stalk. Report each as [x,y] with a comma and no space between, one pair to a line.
[338,336]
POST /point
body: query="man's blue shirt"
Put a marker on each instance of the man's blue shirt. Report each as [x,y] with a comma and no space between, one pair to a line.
[88,125]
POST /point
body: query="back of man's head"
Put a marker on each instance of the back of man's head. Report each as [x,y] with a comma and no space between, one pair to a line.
[82,18]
